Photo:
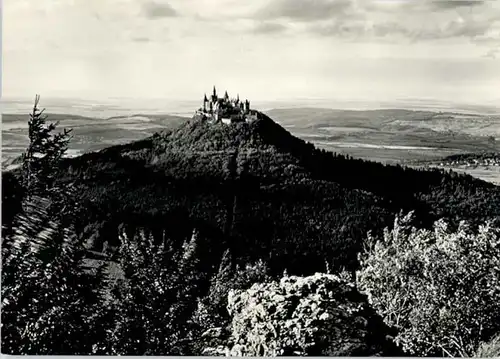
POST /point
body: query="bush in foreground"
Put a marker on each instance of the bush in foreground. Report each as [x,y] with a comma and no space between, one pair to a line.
[156,298]
[440,288]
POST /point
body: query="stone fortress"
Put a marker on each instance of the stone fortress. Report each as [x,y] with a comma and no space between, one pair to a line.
[226,110]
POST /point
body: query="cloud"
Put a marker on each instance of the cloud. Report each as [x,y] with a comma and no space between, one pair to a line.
[141,39]
[492,53]
[304,10]
[390,29]
[465,28]
[341,29]
[405,21]
[372,30]
[156,10]
[423,6]
[357,20]
[453,4]
[269,28]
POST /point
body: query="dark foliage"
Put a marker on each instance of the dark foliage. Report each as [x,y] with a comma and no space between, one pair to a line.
[469,157]
[158,294]
[263,193]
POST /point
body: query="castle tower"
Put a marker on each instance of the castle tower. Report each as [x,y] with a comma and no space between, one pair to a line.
[214,95]
[226,96]
[205,100]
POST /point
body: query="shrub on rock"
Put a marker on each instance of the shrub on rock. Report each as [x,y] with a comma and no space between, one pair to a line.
[316,315]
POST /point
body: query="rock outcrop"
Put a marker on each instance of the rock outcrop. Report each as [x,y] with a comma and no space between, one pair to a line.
[316,315]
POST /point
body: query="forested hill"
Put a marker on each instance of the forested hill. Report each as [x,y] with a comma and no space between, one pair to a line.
[261,192]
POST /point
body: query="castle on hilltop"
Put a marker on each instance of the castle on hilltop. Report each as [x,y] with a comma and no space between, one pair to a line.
[226,110]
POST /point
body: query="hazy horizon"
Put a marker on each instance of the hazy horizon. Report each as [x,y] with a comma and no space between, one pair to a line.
[110,107]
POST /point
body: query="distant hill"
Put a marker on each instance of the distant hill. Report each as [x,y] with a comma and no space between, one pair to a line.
[392,135]
[20,121]
[261,192]
[89,133]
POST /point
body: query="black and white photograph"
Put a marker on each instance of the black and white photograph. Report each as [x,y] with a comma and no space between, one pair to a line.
[250,178]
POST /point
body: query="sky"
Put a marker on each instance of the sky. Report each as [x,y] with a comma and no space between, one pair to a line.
[445,50]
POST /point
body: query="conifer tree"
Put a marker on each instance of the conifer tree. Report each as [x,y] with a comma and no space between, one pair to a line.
[51,303]
[42,158]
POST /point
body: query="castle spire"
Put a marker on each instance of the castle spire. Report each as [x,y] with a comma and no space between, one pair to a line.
[215,92]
